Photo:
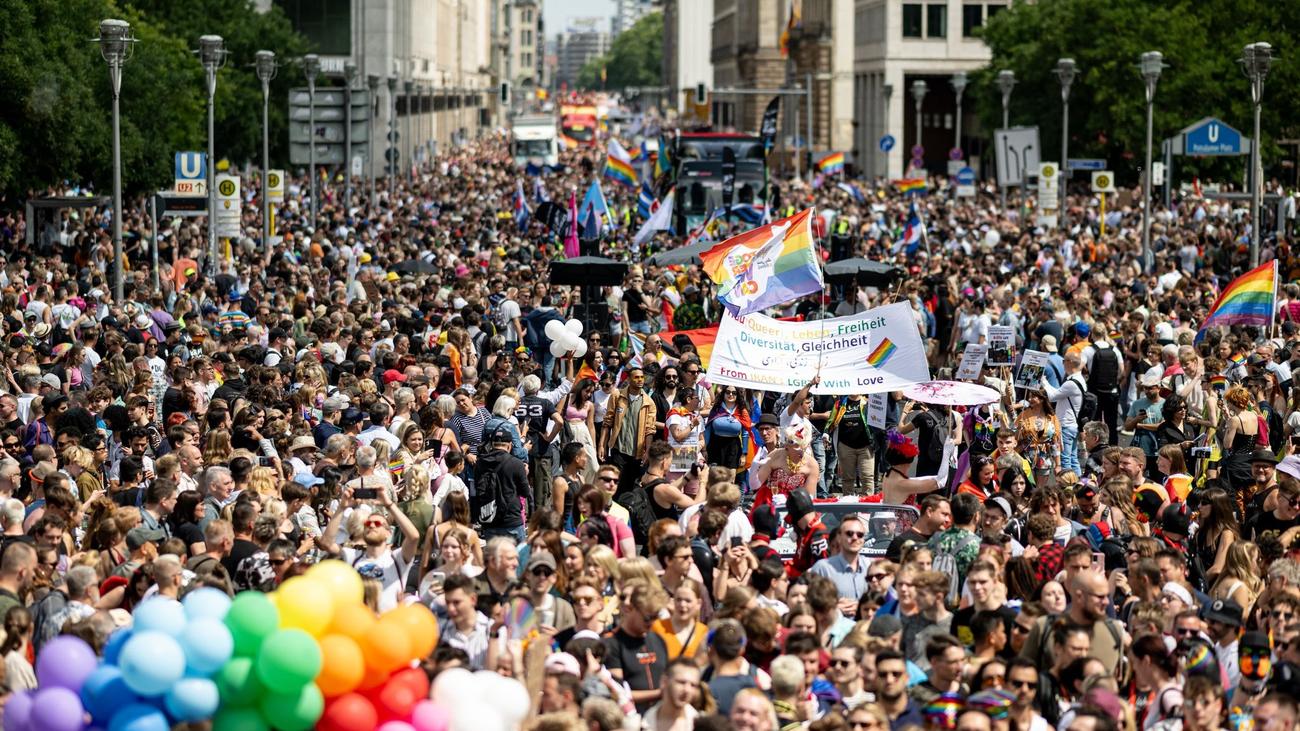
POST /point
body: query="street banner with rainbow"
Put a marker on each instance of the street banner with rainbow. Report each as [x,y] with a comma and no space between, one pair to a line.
[767,266]
[1250,299]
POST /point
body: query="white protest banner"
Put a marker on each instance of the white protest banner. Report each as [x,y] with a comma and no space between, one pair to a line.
[877,405]
[874,351]
[1002,346]
[1030,375]
[972,362]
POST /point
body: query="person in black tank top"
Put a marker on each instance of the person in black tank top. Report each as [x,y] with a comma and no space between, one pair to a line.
[567,483]
[660,455]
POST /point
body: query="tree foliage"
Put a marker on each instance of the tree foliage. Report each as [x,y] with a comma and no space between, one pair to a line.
[56,123]
[635,58]
[1201,41]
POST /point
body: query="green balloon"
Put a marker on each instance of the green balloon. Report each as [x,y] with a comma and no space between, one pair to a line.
[251,619]
[296,711]
[239,719]
[238,683]
[288,660]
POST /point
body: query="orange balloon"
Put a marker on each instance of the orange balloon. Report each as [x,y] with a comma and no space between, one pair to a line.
[386,647]
[352,620]
[373,678]
[419,626]
[343,666]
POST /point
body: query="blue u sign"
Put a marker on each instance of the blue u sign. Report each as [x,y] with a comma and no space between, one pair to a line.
[191,166]
[1213,137]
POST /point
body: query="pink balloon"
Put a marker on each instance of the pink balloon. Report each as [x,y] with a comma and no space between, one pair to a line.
[429,716]
[396,726]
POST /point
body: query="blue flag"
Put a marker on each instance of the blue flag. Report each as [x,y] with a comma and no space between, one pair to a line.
[592,211]
[645,200]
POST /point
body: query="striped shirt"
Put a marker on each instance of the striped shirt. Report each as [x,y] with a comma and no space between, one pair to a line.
[236,319]
[468,429]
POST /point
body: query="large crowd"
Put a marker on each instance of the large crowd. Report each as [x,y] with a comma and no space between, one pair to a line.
[1111,548]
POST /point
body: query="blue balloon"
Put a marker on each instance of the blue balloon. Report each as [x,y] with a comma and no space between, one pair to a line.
[113,648]
[206,602]
[104,692]
[139,717]
[159,614]
[151,663]
[18,711]
[193,699]
[208,644]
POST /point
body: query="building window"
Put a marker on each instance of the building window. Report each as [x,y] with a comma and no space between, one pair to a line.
[527,37]
[936,21]
[911,20]
[994,10]
[972,17]
[528,15]
[326,23]
[528,60]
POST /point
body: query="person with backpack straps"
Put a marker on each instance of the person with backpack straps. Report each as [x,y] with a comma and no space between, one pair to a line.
[1104,364]
[1069,402]
[1089,600]
[957,548]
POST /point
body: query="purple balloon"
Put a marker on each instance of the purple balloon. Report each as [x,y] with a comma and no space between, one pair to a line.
[65,662]
[57,709]
[18,711]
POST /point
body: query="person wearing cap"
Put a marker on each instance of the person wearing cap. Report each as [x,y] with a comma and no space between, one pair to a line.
[1223,622]
[553,613]
[376,559]
[768,427]
[562,685]
[497,502]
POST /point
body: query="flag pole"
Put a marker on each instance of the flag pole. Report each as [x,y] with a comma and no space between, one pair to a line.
[925,230]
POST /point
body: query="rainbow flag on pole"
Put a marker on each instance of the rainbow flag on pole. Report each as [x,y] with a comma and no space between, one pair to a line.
[767,266]
[911,185]
[831,164]
[1250,299]
[618,165]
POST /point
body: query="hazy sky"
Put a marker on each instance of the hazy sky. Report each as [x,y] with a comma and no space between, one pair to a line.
[558,13]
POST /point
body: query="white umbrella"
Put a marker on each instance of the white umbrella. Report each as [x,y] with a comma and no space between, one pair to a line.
[951,393]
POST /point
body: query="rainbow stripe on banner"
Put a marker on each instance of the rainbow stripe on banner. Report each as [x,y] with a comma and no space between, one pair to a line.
[882,353]
[1250,299]
[911,185]
[832,163]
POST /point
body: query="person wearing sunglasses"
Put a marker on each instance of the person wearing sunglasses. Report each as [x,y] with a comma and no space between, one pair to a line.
[377,554]
[1285,514]
[845,671]
[847,569]
[553,613]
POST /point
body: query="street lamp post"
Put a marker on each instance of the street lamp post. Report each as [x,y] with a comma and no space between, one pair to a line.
[408,87]
[886,91]
[1150,64]
[115,43]
[372,83]
[393,156]
[1066,70]
[212,53]
[959,82]
[1006,82]
[1255,61]
[349,76]
[919,89]
[311,67]
[265,72]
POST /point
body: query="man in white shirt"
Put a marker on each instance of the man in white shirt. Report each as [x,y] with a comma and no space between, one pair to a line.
[380,414]
[377,560]
[1067,400]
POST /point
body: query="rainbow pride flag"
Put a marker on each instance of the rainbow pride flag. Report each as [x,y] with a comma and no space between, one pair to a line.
[911,185]
[882,353]
[618,166]
[767,266]
[832,163]
[1250,299]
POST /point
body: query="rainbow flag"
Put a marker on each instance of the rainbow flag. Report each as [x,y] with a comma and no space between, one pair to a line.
[1219,381]
[911,185]
[1250,299]
[767,266]
[1238,359]
[618,165]
[882,353]
[832,163]
[396,468]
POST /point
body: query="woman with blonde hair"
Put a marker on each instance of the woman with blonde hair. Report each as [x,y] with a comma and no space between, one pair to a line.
[217,449]
[264,481]
[636,568]
[603,566]
[1239,580]
[1244,432]
[79,463]
[790,468]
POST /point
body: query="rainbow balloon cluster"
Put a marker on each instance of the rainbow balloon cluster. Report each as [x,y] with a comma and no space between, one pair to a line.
[311,654]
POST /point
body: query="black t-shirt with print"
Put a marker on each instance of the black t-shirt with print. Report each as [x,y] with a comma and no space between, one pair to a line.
[643,660]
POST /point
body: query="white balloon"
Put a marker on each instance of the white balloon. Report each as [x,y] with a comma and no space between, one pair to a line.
[453,686]
[476,717]
[554,328]
[574,326]
[510,699]
[558,348]
[581,350]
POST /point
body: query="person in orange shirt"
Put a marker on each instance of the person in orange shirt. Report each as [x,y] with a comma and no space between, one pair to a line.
[981,481]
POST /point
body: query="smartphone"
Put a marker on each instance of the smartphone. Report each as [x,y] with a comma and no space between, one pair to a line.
[265,462]
[1099,562]
[366,493]
[735,541]
[436,580]
[433,445]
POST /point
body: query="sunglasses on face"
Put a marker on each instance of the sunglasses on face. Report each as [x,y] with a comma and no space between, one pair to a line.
[1023,683]
[542,572]
[841,663]
[854,534]
[376,524]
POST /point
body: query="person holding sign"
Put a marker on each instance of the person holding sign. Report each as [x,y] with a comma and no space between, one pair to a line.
[1040,434]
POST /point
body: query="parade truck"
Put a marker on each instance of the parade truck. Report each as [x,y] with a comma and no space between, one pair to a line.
[579,124]
[534,140]
[699,174]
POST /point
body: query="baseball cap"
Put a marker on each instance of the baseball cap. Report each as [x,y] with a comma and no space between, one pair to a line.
[884,625]
[541,558]
[1224,611]
[500,435]
[392,374]
[140,535]
[307,479]
[1001,503]
[562,663]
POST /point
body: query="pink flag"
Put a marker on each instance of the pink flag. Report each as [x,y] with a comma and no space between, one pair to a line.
[571,249]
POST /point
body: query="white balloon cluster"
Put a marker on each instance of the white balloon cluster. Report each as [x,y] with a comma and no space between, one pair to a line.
[566,338]
[481,701]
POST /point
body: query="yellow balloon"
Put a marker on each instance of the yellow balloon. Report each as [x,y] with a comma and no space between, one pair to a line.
[305,604]
[343,581]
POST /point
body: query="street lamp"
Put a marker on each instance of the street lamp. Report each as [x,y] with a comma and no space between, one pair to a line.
[392,155]
[959,82]
[265,63]
[311,68]
[349,76]
[115,43]
[1255,61]
[886,91]
[212,54]
[1150,64]
[919,89]
[372,83]
[408,87]
[1006,82]
[1066,70]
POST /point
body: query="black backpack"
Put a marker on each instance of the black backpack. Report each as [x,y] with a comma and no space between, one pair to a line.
[489,498]
[1088,406]
[639,514]
[1103,377]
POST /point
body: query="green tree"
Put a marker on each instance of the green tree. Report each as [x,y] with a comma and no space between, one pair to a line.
[1201,41]
[636,58]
